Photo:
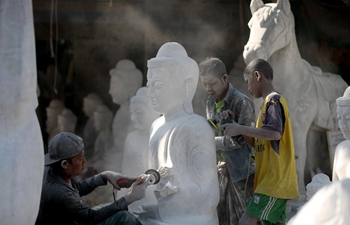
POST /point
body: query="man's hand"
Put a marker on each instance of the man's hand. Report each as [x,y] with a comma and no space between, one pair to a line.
[137,190]
[231,129]
[112,177]
[227,114]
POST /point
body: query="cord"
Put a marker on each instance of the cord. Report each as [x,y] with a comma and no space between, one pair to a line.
[248,175]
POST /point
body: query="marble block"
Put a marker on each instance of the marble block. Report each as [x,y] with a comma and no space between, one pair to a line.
[21,144]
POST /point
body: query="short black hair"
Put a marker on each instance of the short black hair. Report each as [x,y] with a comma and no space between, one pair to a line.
[260,65]
[213,66]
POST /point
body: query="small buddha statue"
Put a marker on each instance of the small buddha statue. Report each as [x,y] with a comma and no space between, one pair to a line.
[90,104]
[126,79]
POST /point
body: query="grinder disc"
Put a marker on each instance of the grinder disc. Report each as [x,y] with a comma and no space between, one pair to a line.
[155,174]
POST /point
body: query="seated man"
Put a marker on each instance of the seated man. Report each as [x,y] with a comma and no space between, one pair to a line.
[61,201]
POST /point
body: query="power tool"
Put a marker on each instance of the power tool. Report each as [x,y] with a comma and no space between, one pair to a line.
[151,176]
[238,140]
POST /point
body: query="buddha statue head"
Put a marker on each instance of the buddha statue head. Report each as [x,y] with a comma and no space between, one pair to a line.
[341,167]
[343,113]
[90,104]
[172,78]
[67,121]
[125,80]
[142,113]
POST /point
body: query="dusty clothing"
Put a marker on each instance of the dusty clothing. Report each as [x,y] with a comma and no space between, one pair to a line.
[236,152]
[234,197]
[235,163]
[62,204]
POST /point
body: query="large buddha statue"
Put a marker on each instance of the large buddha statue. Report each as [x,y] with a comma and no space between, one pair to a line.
[125,80]
[182,145]
[21,142]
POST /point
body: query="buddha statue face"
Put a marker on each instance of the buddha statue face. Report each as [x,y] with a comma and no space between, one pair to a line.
[164,91]
[142,116]
[172,79]
[90,104]
[343,115]
[117,91]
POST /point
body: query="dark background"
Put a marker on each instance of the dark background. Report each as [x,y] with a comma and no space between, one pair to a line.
[88,37]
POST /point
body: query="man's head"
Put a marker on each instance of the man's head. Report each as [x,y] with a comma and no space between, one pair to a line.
[257,71]
[66,152]
[214,77]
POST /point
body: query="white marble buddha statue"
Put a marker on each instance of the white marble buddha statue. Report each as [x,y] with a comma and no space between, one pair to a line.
[341,163]
[90,104]
[126,79]
[52,111]
[67,121]
[330,203]
[103,118]
[103,157]
[182,145]
[136,152]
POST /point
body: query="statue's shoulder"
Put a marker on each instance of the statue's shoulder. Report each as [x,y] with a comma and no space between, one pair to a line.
[344,145]
[197,122]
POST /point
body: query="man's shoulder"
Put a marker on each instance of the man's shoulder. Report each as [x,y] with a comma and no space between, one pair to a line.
[240,95]
[236,95]
[54,188]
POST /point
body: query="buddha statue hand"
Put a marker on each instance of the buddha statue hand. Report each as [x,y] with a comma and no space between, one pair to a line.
[149,211]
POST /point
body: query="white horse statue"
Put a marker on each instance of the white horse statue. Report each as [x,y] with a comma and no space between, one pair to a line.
[310,93]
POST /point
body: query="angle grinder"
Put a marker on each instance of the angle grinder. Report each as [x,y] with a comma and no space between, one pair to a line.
[151,176]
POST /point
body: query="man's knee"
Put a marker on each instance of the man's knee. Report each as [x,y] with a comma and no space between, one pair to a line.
[248,220]
[125,218]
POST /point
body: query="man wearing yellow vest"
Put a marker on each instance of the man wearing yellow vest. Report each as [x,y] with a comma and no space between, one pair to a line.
[272,138]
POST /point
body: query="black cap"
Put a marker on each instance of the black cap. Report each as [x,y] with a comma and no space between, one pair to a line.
[63,146]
